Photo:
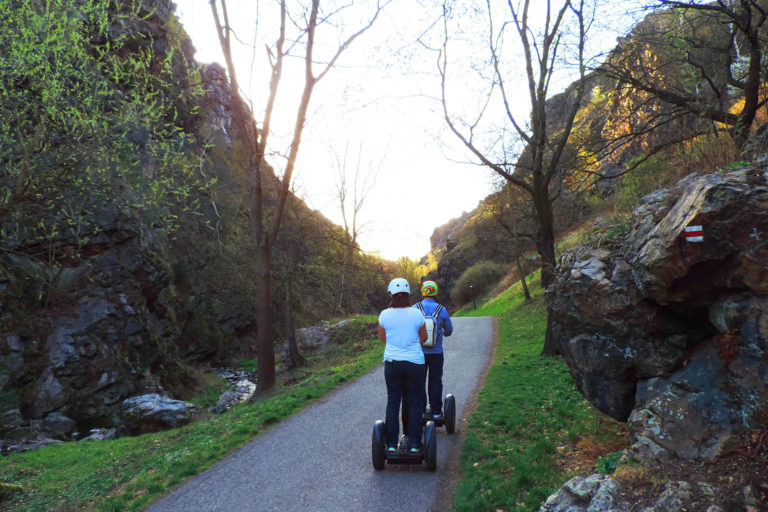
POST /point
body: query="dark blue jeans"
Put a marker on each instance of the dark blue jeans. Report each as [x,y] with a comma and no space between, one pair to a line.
[404,378]
[434,378]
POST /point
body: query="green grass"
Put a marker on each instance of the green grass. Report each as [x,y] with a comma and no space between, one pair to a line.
[530,419]
[529,425]
[131,472]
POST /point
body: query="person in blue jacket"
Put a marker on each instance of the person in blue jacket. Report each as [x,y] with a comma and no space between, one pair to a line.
[433,356]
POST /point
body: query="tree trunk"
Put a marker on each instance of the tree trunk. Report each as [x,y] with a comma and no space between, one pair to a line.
[546,247]
[521,272]
[295,359]
[265,331]
[551,346]
[546,239]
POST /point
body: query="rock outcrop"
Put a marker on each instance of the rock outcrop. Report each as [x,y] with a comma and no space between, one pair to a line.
[117,307]
[154,412]
[318,337]
[586,494]
[671,334]
[601,493]
[133,275]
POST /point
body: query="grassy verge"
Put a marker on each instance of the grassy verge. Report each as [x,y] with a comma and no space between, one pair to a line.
[130,473]
[532,430]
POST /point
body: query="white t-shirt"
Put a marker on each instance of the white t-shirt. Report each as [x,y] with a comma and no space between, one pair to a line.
[402,328]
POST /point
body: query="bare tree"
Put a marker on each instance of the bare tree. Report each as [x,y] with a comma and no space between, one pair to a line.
[351,198]
[700,57]
[536,170]
[265,229]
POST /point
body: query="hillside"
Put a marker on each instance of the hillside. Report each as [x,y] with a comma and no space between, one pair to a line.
[126,262]
[632,134]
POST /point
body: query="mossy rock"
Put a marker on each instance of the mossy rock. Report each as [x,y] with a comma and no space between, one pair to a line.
[8,490]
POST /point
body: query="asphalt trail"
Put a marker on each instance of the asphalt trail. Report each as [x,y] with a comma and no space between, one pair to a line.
[320,459]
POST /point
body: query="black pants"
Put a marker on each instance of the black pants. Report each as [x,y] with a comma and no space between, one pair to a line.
[404,380]
[434,378]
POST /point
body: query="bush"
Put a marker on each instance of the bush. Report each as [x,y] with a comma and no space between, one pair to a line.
[654,173]
[477,280]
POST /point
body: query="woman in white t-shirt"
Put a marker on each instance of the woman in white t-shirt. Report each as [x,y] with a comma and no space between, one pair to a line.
[402,329]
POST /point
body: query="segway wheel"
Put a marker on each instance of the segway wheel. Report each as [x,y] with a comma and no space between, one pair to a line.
[377,445]
[430,445]
[449,413]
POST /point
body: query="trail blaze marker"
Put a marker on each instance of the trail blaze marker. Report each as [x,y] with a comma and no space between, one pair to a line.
[694,234]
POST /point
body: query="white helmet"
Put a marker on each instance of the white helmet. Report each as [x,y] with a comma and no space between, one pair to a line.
[399,285]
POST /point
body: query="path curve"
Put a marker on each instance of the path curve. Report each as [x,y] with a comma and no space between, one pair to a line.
[320,459]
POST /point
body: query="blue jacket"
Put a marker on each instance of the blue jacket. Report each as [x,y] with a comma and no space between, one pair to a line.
[444,325]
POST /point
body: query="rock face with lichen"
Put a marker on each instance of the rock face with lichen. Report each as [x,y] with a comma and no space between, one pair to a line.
[126,253]
[669,334]
[115,306]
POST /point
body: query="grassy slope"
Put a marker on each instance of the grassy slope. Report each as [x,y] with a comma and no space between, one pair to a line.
[532,429]
[131,472]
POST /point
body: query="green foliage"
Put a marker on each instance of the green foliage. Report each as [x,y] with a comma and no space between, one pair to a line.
[733,165]
[249,364]
[209,397]
[476,281]
[528,413]
[510,298]
[608,463]
[652,174]
[610,232]
[88,122]
[410,270]
[325,276]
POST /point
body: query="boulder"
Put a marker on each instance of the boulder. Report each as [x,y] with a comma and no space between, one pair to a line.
[154,412]
[10,420]
[58,426]
[100,434]
[315,338]
[596,493]
[678,495]
[671,334]
[243,391]
[29,444]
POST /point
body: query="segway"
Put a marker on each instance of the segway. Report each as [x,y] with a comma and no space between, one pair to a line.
[447,419]
[380,455]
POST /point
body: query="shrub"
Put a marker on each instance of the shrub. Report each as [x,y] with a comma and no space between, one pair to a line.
[476,281]
[656,172]
[608,463]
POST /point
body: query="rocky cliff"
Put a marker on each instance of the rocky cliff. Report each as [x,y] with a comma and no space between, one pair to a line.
[125,239]
[670,332]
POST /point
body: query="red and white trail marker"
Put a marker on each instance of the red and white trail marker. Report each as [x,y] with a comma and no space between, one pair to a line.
[694,234]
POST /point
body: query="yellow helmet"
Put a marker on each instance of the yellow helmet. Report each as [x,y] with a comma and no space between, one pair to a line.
[428,288]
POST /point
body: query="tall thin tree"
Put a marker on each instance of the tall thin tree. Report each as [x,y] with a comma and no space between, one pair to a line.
[539,166]
[265,230]
[352,196]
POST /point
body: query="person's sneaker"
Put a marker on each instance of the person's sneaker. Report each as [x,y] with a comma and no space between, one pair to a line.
[415,449]
[392,449]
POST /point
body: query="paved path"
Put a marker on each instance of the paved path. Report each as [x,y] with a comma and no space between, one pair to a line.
[320,459]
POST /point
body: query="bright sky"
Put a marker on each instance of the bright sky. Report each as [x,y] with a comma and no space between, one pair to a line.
[377,103]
